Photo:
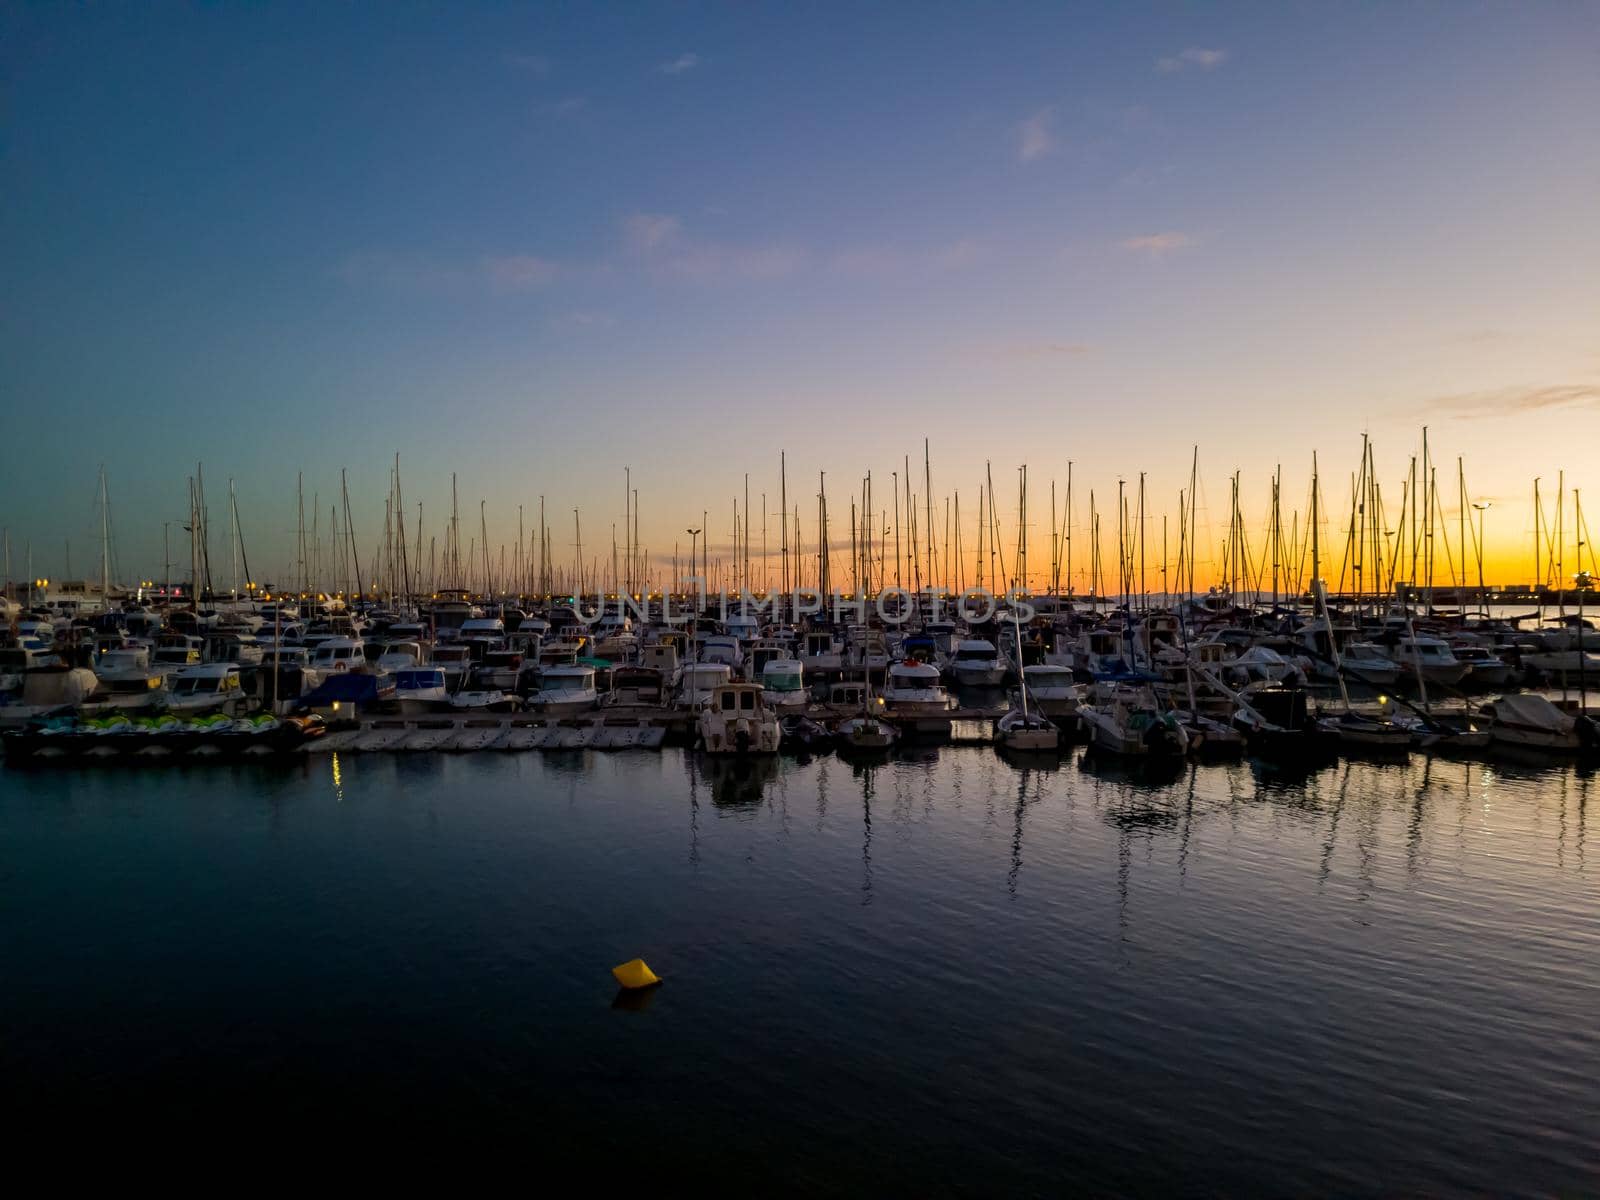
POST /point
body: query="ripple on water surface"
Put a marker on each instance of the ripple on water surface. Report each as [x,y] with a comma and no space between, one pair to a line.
[938,975]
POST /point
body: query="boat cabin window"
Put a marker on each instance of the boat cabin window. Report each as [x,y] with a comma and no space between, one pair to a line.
[728,702]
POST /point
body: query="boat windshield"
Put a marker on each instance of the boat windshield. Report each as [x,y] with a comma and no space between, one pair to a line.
[569,683]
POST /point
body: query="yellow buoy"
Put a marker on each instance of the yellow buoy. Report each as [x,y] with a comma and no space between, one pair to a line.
[634,974]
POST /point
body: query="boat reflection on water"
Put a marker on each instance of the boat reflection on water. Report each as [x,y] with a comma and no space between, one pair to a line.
[1291,772]
[1152,771]
[736,782]
[1031,760]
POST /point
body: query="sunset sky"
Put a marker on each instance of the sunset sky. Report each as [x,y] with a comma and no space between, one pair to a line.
[535,246]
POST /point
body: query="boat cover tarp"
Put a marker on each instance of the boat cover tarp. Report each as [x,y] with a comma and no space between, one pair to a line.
[347,687]
[51,686]
[1534,712]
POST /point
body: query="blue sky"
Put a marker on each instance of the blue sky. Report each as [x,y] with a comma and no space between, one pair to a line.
[532,245]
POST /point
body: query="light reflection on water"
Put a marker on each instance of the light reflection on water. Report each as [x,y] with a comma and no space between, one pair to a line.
[941,973]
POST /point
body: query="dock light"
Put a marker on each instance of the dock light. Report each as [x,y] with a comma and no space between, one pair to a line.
[335,706]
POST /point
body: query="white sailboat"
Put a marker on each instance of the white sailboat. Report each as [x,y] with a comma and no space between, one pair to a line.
[1020,729]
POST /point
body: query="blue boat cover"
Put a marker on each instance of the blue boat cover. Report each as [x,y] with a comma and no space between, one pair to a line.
[349,687]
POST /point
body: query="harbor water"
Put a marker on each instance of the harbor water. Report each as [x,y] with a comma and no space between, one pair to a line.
[940,975]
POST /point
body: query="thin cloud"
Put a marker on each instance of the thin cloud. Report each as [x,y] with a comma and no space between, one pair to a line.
[1044,349]
[648,232]
[1035,138]
[680,65]
[534,64]
[1507,401]
[583,320]
[1198,57]
[1482,337]
[518,272]
[718,262]
[420,274]
[1036,350]
[880,261]
[406,273]
[660,240]
[1157,244]
[657,246]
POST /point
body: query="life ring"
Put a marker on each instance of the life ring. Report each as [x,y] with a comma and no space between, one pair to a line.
[341,666]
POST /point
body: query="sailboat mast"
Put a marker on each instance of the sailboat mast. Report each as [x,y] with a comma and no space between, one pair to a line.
[927,485]
[105,544]
[1315,542]
[233,541]
[1067,522]
[350,531]
[194,551]
[783,508]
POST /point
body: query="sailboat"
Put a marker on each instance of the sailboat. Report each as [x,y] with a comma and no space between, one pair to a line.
[868,733]
[1126,721]
[1020,729]
[1357,731]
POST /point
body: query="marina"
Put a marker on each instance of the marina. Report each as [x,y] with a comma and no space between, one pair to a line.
[824,600]
[1269,661]
[1201,677]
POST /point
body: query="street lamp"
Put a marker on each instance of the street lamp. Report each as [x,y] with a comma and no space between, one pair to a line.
[694,618]
[1482,506]
[1583,579]
[694,534]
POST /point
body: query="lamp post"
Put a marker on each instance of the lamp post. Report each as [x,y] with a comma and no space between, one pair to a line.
[1482,506]
[1582,579]
[694,612]
[694,535]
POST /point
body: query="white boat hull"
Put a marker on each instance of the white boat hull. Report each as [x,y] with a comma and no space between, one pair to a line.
[563,706]
[745,735]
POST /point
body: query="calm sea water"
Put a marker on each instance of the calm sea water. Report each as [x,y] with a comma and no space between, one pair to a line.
[938,976]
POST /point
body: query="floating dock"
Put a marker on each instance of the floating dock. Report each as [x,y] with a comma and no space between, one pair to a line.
[508,733]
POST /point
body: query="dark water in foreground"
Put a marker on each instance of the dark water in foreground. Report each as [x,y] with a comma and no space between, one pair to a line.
[933,977]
